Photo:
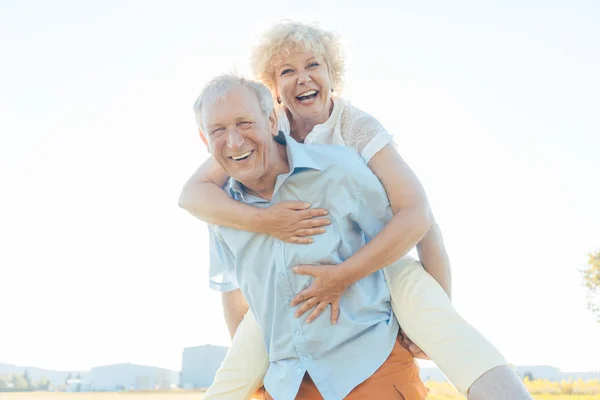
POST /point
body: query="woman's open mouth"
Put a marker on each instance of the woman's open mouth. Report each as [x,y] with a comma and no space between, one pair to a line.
[307,96]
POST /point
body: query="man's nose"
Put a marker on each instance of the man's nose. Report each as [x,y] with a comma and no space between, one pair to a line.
[234,139]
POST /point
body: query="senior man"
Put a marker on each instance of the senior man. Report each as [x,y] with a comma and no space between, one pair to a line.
[359,357]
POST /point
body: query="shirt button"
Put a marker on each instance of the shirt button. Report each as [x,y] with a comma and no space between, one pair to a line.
[278,244]
[281,276]
[299,371]
[306,358]
[297,331]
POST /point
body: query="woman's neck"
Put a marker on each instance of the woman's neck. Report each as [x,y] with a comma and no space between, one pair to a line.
[300,128]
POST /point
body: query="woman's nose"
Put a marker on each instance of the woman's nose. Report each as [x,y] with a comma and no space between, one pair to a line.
[303,78]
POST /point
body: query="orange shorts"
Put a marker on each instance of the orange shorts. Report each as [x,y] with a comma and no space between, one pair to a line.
[397,379]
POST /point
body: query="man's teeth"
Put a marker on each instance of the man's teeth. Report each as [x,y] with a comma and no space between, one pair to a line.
[242,156]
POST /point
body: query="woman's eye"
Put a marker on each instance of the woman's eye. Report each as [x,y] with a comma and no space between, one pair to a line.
[313,64]
[286,71]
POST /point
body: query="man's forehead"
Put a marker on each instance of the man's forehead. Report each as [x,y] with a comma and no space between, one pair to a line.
[238,101]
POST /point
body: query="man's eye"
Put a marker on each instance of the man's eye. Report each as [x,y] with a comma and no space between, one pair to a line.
[245,124]
[286,71]
[217,130]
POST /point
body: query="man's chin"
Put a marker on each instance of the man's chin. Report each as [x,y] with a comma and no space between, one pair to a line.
[240,176]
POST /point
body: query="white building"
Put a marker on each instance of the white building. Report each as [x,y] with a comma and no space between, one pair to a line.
[130,377]
[74,385]
[199,365]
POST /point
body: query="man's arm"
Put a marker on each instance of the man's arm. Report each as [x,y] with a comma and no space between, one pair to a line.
[223,279]
[234,309]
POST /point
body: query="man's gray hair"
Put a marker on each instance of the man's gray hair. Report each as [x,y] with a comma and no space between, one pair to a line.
[217,88]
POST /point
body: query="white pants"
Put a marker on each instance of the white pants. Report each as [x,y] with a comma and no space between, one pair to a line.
[425,314]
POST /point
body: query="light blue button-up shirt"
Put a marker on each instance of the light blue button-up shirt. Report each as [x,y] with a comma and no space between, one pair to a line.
[337,357]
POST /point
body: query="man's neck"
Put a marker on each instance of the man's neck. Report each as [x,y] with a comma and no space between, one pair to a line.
[265,186]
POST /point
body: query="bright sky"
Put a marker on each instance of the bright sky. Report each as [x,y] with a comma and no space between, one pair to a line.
[495,106]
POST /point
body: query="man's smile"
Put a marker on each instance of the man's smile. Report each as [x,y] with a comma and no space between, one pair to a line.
[242,156]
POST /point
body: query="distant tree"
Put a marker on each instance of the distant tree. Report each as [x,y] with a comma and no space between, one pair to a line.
[42,384]
[3,383]
[591,281]
[68,377]
[27,379]
[79,376]
[19,382]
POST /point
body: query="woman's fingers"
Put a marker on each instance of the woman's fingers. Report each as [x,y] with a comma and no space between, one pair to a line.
[322,306]
[312,213]
[300,240]
[294,205]
[306,306]
[335,311]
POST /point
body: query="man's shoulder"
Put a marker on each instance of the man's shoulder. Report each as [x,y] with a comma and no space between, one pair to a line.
[342,164]
[329,155]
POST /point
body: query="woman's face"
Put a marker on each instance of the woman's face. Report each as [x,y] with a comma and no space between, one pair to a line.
[304,86]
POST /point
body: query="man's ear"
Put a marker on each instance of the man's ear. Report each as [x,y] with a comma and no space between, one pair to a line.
[204,139]
[273,123]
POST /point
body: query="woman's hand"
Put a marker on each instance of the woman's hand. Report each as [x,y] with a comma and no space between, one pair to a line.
[327,288]
[293,221]
[412,347]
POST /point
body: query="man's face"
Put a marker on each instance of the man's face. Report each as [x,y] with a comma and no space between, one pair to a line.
[240,136]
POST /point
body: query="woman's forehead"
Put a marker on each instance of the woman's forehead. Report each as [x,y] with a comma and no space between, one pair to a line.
[296,53]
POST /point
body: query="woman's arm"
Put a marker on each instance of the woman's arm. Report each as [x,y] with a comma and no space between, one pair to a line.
[411,221]
[434,258]
[291,221]
[412,216]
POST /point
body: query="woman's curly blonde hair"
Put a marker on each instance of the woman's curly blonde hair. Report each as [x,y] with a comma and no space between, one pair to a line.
[287,37]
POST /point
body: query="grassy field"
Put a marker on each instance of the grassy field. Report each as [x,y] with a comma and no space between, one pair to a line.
[541,390]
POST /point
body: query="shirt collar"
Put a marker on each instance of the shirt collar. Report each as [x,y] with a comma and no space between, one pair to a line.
[298,159]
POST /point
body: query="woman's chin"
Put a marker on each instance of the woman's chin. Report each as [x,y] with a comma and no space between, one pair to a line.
[313,112]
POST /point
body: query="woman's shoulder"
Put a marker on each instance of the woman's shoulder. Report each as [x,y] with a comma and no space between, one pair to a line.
[353,117]
[361,130]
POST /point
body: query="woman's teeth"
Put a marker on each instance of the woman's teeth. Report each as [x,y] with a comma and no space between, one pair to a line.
[242,156]
[311,94]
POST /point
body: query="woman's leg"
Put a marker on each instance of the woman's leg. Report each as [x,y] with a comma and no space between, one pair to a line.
[428,318]
[244,366]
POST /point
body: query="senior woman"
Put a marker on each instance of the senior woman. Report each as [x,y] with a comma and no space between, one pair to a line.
[304,68]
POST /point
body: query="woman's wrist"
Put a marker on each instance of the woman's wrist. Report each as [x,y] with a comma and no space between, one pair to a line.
[348,272]
[259,220]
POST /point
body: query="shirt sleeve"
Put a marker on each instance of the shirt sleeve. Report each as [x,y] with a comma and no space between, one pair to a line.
[221,263]
[363,132]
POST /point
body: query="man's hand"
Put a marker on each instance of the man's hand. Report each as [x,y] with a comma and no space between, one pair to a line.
[413,348]
[328,286]
[293,221]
